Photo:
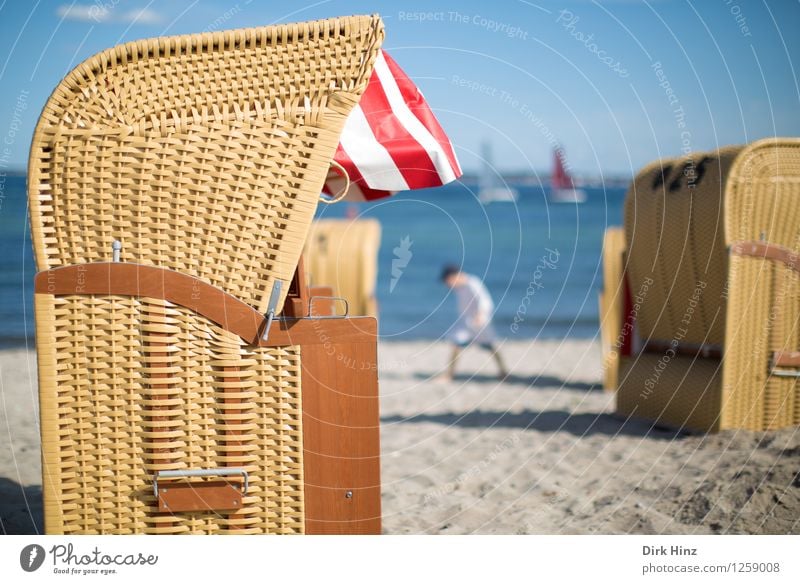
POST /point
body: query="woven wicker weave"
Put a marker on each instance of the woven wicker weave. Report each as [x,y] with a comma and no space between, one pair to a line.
[745,306]
[676,228]
[198,152]
[343,254]
[762,203]
[685,394]
[611,301]
[136,385]
[203,154]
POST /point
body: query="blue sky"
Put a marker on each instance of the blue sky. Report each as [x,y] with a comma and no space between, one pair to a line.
[617,84]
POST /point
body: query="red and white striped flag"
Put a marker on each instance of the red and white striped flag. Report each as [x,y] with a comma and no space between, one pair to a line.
[391,141]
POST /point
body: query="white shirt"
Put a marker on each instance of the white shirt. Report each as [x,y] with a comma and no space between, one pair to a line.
[474,304]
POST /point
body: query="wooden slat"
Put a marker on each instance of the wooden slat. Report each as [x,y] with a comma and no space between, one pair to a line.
[126,279]
[341,438]
[178,497]
[786,359]
[770,251]
[296,304]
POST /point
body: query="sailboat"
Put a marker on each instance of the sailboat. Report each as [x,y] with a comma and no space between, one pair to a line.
[491,189]
[562,189]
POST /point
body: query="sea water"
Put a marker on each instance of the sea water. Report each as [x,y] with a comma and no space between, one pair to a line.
[539,260]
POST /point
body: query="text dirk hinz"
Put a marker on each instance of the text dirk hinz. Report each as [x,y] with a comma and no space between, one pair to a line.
[673,550]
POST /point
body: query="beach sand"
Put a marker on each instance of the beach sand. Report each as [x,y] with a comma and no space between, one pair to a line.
[538,453]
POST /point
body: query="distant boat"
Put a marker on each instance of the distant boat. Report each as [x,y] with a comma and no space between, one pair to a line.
[491,189]
[562,188]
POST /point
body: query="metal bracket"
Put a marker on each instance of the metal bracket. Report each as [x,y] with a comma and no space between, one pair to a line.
[199,472]
[272,305]
[785,364]
[784,373]
[311,306]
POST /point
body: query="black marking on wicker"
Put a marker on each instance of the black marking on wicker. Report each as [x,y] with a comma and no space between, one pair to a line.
[693,173]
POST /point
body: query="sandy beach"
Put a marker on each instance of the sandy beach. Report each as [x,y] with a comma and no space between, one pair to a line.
[538,453]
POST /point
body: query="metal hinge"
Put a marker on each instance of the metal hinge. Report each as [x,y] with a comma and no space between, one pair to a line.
[272,306]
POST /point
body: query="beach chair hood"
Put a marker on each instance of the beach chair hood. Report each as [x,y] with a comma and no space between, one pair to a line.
[204,154]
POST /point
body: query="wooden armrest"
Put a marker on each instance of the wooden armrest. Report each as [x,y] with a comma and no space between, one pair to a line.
[227,311]
[769,251]
[786,359]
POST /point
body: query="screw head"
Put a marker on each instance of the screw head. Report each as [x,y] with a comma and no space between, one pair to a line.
[348,494]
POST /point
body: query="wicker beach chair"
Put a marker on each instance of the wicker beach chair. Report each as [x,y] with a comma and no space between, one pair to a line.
[712,285]
[762,334]
[343,254]
[172,182]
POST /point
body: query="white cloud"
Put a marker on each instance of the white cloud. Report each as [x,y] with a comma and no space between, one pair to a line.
[143,16]
[83,12]
[102,13]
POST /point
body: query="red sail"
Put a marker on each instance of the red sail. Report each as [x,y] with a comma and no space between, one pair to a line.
[559,179]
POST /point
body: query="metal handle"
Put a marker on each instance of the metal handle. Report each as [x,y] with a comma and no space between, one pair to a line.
[116,247]
[343,193]
[311,306]
[199,472]
[272,307]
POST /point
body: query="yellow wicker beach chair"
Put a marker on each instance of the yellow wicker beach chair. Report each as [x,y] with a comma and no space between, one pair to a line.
[172,182]
[343,254]
[711,244]
[762,333]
